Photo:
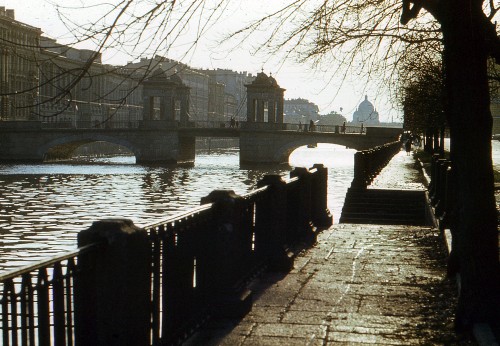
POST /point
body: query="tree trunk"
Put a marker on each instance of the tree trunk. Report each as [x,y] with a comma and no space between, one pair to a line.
[470,122]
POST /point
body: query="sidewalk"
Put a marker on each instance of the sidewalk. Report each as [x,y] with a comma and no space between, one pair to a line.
[360,284]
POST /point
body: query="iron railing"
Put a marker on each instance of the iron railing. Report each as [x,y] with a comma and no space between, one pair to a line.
[200,260]
[37,301]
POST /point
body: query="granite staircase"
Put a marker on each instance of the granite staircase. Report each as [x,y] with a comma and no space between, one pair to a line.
[385,207]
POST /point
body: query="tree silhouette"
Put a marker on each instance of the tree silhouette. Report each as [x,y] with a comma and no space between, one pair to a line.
[366,38]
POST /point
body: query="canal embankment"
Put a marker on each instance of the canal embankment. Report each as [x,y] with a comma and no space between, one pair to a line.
[359,284]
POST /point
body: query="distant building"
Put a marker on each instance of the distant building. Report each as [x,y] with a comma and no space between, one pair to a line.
[365,114]
[332,119]
[300,110]
[196,80]
[19,50]
[234,89]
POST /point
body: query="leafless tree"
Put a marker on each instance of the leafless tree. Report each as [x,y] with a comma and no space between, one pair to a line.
[345,37]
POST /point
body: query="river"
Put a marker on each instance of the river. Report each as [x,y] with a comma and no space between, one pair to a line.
[44,206]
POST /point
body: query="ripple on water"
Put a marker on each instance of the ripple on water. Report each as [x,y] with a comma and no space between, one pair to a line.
[45,206]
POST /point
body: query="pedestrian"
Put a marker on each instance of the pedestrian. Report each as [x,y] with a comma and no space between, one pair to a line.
[408,147]
[300,126]
[311,126]
[343,128]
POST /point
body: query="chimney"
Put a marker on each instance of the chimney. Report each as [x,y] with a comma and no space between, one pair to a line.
[10,14]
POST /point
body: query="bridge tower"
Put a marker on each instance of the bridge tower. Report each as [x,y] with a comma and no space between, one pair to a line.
[173,96]
[264,93]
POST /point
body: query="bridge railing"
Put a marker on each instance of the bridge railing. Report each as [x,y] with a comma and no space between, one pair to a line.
[134,124]
[155,284]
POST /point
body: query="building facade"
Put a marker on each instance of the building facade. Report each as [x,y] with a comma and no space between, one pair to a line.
[18,67]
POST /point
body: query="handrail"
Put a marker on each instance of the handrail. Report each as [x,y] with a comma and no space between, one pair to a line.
[45,263]
[183,268]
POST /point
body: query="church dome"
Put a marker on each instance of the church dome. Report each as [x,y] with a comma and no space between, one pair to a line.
[366,113]
[366,106]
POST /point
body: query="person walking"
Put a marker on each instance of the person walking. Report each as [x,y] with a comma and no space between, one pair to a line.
[408,147]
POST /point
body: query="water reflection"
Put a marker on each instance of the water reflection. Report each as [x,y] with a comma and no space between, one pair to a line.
[42,207]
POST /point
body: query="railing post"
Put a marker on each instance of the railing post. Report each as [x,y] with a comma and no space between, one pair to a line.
[230,254]
[319,197]
[270,224]
[441,188]
[304,225]
[359,180]
[113,289]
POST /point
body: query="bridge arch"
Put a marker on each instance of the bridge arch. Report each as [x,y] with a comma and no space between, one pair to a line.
[63,147]
[283,152]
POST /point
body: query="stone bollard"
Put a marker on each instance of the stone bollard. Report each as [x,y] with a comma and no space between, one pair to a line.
[231,250]
[359,180]
[304,227]
[438,181]
[319,197]
[441,188]
[270,224]
[113,289]
[434,159]
[448,200]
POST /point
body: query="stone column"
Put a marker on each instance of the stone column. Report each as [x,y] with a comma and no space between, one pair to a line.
[260,110]
[230,251]
[184,108]
[271,111]
[305,228]
[148,102]
[113,288]
[279,108]
[270,224]
[319,197]
[250,108]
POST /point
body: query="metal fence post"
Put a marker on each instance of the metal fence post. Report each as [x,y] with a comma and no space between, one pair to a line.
[113,297]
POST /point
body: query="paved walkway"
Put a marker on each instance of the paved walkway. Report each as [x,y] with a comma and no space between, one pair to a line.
[360,284]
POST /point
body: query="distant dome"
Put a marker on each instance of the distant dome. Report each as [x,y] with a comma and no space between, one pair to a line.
[366,113]
[366,106]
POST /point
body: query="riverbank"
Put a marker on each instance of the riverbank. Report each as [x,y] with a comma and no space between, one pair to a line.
[359,284]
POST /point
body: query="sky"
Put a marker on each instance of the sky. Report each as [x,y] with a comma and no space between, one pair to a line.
[299,80]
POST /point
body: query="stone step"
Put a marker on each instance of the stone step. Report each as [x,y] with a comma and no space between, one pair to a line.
[378,206]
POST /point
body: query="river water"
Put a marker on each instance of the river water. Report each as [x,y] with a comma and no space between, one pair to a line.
[44,206]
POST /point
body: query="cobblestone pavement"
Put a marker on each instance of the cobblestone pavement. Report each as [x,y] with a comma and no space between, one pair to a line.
[359,284]
[400,173]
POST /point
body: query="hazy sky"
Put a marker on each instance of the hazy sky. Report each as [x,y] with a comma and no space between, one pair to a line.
[298,79]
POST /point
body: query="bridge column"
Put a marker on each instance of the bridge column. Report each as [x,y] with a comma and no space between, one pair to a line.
[148,104]
[271,110]
[280,106]
[260,111]
[250,108]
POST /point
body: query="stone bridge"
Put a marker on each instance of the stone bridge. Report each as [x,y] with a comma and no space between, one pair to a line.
[166,143]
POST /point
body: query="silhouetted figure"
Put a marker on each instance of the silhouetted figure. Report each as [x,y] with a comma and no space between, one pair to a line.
[342,129]
[311,126]
[232,123]
[300,126]
[408,147]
